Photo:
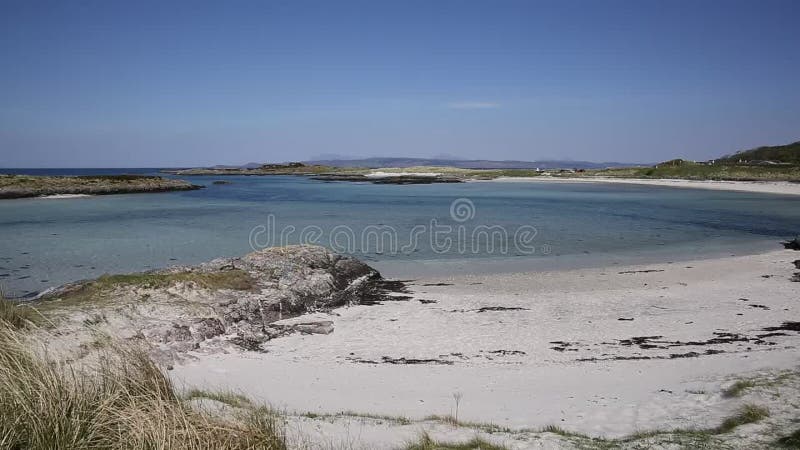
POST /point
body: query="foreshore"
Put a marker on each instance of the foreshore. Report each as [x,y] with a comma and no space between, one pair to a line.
[763,187]
[604,351]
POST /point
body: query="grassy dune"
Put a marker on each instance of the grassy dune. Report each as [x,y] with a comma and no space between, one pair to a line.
[123,400]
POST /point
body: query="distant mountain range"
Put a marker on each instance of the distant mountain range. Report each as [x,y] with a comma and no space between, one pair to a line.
[786,154]
[251,165]
[374,163]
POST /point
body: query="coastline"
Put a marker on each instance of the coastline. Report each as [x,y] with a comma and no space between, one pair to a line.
[762,187]
[62,187]
[603,351]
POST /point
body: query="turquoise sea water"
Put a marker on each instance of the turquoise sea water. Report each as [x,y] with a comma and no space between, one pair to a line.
[46,242]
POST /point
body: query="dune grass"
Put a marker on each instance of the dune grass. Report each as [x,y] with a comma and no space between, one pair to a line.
[746,414]
[13,314]
[229,398]
[737,388]
[790,441]
[122,401]
[425,442]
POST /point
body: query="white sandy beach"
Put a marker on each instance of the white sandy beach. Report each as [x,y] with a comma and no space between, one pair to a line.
[528,350]
[763,187]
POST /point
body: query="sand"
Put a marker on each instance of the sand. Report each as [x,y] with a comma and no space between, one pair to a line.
[764,187]
[64,196]
[527,350]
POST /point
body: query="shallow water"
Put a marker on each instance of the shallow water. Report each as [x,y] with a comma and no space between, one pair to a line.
[46,242]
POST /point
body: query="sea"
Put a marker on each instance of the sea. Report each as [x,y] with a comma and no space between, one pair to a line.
[405,231]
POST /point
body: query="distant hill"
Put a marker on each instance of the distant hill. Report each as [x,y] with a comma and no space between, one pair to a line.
[374,163]
[787,154]
[251,165]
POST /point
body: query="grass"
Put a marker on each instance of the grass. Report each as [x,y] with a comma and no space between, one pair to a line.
[99,288]
[400,420]
[425,442]
[694,171]
[738,388]
[482,426]
[231,399]
[15,315]
[746,414]
[122,401]
[790,441]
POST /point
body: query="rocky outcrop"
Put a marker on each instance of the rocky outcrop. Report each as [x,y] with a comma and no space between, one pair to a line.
[21,186]
[793,244]
[229,301]
[399,179]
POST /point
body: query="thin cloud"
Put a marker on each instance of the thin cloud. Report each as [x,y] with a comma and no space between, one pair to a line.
[473,105]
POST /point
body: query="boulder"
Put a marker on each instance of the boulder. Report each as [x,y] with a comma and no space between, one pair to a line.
[794,244]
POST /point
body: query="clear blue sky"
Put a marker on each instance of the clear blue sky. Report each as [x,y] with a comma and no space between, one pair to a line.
[124,84]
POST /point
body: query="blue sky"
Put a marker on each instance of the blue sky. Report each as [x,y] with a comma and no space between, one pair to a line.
[126,84]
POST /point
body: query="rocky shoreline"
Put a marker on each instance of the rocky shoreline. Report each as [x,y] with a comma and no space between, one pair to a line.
[322,173]
[228,302]
[398,179]
[25,186]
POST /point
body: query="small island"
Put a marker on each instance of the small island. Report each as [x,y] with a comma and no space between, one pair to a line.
[22,186]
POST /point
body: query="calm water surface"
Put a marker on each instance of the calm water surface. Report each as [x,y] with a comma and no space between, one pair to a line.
[46,242]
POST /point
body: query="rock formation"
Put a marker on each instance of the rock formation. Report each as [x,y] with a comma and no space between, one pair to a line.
[229,301]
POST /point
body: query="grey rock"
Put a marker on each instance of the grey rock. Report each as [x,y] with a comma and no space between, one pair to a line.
[286,282]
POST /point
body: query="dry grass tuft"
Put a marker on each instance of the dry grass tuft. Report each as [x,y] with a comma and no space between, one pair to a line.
[738,388]
[425,442]
[122,401]
[13,314]
[744,415]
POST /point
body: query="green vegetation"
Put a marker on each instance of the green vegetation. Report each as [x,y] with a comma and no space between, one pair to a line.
[100,288]
[746,414]
[400,420]
[702,171]
[738,388]
[789,154]
[483,426]
[235,279]
[231,399]
[790,441]
[426,443]
[123,401]
[20,186]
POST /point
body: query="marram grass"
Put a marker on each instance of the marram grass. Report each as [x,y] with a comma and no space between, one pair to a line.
[122,401]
